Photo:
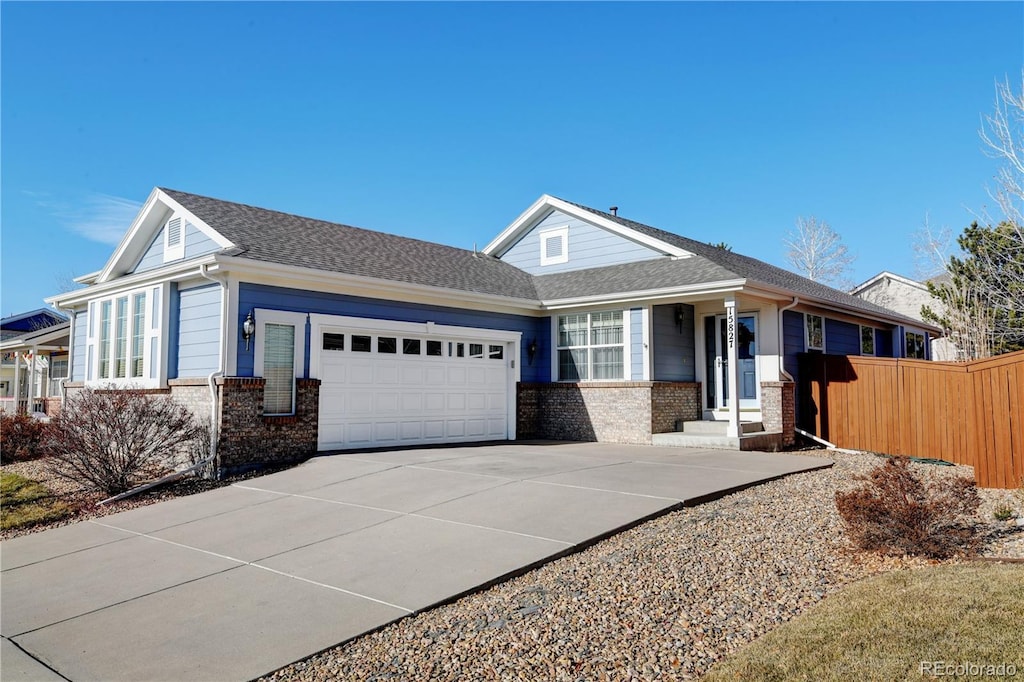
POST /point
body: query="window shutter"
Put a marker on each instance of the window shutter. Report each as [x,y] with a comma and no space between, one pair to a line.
[278,368]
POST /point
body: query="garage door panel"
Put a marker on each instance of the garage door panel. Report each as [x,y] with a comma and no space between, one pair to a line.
[373,398]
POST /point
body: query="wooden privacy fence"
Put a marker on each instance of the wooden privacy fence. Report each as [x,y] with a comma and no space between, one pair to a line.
[968,413]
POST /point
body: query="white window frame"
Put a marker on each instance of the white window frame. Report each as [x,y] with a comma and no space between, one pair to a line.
[807,332]
[173,252]
[561,233]
[590,346]
[874,343]
[263,317]
[906,344]
[152,325]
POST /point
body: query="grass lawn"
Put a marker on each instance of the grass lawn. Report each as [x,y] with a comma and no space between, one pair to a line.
[24,502]
[883,628]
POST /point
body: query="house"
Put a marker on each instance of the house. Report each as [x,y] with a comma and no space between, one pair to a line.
[33,360]
[906,297]
[295,335]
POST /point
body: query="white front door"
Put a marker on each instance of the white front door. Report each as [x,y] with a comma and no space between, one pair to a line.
[749,386]
[403,385]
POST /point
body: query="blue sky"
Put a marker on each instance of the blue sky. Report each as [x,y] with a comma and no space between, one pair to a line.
[722,122]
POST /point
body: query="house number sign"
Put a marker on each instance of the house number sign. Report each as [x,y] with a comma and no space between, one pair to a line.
[730,326]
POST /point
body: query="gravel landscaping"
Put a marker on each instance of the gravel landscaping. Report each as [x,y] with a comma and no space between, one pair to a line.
[665,600]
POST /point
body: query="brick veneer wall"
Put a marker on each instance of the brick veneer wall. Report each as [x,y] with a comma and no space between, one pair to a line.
[248,439]
[620,412]
[778,409]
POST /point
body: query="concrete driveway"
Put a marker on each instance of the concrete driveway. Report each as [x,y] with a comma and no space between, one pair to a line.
[237,582]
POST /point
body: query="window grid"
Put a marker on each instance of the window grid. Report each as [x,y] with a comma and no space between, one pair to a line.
[591,346]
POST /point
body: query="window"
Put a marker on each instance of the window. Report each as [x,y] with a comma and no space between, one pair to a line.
[867,340]
[434,348]
[279,357]
[123,340]
[410,346]
[814,332]
[591,346]
[279,368]
[334,341]
[915,345]
[495,352]
[554,246]
[58,372]
[361,344]
[387,344]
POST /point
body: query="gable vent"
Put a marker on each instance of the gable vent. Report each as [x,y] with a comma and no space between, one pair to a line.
[553,246]
[174,232]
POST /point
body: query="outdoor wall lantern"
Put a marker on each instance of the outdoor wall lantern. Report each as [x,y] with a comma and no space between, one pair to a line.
[531,350]
[679,317]
[248,329]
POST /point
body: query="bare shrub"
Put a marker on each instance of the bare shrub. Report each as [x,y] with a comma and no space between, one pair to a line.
[112,440]
[20,437]
[896,513]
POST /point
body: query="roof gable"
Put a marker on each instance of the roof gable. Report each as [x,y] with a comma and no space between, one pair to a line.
[146,227]
[547,203]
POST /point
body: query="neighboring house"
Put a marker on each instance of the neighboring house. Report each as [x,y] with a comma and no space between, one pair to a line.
[907,297]
[33,360]
[296,335]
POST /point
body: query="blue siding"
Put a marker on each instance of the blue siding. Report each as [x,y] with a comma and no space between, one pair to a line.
[196,244]
[674,352]
[79,345]
[636,344]
[198,331]
[883,343]
[589,247]
[294,300]
[792,341]
[841,338]
[154,255]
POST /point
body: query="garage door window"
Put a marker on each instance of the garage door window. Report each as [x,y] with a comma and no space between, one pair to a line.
[279,369]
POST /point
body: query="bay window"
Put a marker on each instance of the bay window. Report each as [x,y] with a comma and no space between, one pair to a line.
[591,346]
[118,330]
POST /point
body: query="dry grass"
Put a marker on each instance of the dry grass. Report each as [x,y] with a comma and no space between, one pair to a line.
[24,502]
[883,628]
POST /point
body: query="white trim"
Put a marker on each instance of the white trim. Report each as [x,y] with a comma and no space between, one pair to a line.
[262,317]
[92,349]
[807,333]
[163,274]
[715,289]
[561,233]
[627,344]
[626,347]
[646,318]
[546,203]
[176,251]
[157,208]
[885,274]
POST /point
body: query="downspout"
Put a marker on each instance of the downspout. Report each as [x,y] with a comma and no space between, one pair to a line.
[782,363]
[211,380]
[222,361]
[73,317]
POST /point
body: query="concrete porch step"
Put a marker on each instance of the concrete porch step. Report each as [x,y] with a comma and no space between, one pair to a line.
[769,441]
[710,427]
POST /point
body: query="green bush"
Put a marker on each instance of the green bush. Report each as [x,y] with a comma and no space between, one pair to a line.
[21,436]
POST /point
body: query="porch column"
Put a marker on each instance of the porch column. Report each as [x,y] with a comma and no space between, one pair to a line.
[33,365]
[733,429]
[17,382]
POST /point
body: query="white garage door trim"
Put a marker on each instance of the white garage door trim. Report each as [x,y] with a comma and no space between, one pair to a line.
[428,331]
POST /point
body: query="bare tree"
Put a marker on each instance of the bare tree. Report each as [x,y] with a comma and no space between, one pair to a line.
[1002,133]
[817,252]
[932,249]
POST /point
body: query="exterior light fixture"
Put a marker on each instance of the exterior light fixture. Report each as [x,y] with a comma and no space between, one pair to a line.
[248,329]
[531,350]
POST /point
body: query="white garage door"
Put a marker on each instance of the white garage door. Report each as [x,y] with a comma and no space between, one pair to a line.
[411,384]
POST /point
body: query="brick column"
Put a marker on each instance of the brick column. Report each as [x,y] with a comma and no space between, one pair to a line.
[778,409]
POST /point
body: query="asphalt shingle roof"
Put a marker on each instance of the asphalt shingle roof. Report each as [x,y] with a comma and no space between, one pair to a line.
[276,237]
[753,270]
